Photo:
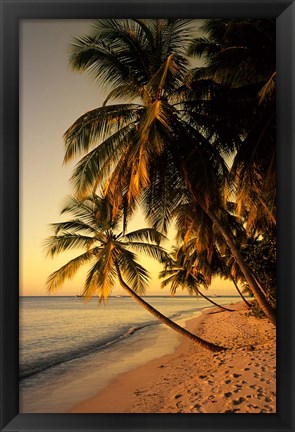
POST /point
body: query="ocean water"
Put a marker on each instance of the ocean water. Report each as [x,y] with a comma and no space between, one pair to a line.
[69,349]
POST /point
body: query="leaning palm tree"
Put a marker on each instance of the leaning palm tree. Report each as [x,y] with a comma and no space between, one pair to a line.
[110,255]
[128,145]
[178,273]
[204,247]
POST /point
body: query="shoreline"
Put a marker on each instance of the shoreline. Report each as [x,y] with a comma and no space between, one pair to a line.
[194,380]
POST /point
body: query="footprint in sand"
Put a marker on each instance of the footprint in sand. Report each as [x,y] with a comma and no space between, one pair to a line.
[232,410]
[198,407]
[239,401]
[252,406]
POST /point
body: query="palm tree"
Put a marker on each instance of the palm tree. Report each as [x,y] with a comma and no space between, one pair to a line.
[240,56]
[179,273]
[136,143]
[110,255]
[204,247]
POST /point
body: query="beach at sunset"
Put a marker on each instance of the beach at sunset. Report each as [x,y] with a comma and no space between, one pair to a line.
[241,379]
[148,216]
[149,369]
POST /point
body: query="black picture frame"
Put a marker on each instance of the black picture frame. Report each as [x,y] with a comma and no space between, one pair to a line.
[11,14]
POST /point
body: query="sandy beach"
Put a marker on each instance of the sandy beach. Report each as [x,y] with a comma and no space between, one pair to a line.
[241,379]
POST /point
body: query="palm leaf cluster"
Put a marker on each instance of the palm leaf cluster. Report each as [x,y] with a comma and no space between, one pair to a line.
[107,249]
[240,56]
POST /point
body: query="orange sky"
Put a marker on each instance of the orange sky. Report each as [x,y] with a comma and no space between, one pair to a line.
[52,97]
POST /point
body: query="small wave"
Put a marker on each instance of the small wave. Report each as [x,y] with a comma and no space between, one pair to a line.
[41,366]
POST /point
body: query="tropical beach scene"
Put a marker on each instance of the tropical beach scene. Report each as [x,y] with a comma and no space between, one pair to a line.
[147,216]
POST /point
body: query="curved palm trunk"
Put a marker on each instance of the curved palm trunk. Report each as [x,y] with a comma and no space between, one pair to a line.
[259,284]
[259,296]
[197,340]
[239,291]
[213,302]
[267,294]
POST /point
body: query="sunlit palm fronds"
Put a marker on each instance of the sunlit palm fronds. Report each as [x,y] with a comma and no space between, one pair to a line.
[108,250]
[170,122]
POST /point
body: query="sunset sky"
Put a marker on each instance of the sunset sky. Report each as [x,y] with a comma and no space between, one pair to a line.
[52,97]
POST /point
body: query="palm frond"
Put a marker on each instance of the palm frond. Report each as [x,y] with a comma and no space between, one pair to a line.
[135,274]
[97,124]
[94,56]
[83,209]
[153,251]
[101,277]
[57,244]
[74,226]
[97,164]
[68,271]
[267,91]
[145,234]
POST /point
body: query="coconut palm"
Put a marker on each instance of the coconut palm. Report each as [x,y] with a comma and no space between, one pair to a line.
[204,246]
[110,255]
[179,272]
[240,56]
[127,145]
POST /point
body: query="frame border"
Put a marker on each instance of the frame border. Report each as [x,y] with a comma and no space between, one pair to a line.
[11,12]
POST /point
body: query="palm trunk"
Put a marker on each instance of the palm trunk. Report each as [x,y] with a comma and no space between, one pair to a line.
[237,288]
[259,284]
[213,302]
[197,340]
[267,294]
[259,296]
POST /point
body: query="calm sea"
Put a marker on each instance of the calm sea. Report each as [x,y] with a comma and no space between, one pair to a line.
[69,350]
